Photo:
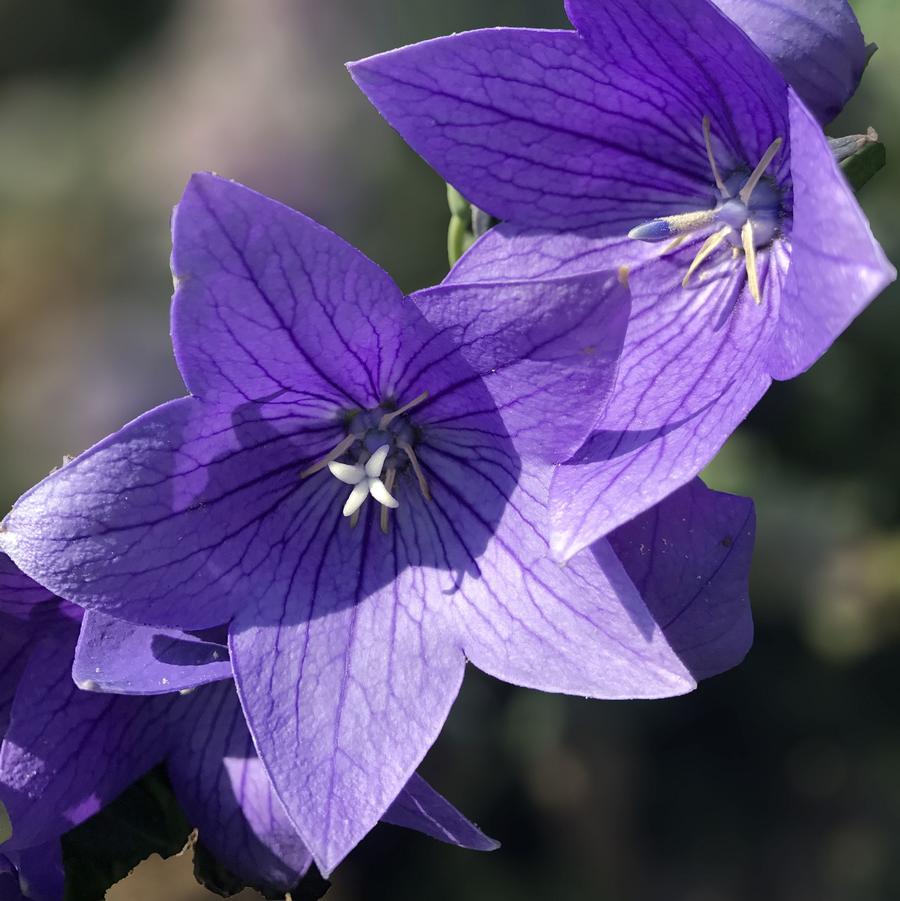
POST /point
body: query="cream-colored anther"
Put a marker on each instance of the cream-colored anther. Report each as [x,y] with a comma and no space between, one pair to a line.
[751,183]
[750,260]
[707,139]
[417,469]
[388,418]
[709,246]
[338,451]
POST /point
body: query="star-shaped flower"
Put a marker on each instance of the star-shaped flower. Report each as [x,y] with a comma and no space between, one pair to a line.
[660,139]
[67,752]
[349,635]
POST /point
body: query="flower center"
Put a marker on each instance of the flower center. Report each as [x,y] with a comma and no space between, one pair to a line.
[748,214]
[380,443]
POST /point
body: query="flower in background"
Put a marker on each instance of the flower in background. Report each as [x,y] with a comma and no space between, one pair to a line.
[66,752]
[817,45]
[360,493]
[657,138]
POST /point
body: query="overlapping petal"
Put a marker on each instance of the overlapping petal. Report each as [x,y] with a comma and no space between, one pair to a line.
[837,267]
[548,351]
[579,629]
[33,874]
[544,128]
[690,559]
[347,682]
[817,45]
[528,124]
[68,752]
[420,807]
[688,51]
[227,796]
[692,366]
[116,656]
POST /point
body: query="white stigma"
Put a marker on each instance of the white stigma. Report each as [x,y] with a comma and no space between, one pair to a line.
[366,481]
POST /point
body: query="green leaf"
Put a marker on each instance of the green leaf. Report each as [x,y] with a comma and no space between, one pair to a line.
[145,819]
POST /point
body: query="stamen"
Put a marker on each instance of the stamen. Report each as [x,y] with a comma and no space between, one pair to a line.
[338,451]
[675,244]
[354,520]
[389,478]
[707,138]
[709,245]
[670,226]
[758,172]
[417,469]
[388,418]
[750,259]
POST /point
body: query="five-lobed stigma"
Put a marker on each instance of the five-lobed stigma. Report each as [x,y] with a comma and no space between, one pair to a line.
[386,442]
[748,212]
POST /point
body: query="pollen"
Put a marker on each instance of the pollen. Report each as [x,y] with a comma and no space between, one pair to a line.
[745,217]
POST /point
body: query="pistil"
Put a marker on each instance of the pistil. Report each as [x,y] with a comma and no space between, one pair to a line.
[733,214]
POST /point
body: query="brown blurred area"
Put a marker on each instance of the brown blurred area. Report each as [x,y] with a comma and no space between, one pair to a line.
[778,780]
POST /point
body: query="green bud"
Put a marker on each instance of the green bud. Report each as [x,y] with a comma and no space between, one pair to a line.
[859,156]
[458,204]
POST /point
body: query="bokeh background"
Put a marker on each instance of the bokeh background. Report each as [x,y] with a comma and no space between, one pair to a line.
[778,780]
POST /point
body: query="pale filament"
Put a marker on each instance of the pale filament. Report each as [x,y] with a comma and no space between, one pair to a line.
[709,246]
[683,224]
[388,418]
[339,450]
[389,478]
[417,469]
[750,258]
[758,172]
[707,139]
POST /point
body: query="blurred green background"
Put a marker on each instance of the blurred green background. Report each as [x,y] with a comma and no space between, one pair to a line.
[778,780]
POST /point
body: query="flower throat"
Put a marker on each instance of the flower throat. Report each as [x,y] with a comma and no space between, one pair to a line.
[383,442]
[748,207]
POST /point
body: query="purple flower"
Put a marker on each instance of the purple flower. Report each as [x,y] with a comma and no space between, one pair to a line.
[817,45]
[67,752]
[660,139]
[360,492]
[32,874]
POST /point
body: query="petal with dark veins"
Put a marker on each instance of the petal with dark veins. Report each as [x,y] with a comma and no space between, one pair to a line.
[420,807]
[222,785]
[837,267]
[120,657]
[67,752]
[348,680]
[689,557]
[817,45]
[547,351]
